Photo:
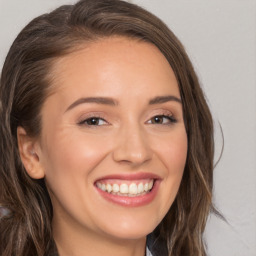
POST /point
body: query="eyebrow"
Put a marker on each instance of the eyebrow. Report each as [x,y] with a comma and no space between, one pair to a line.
[97,100]
[112,102]
[163,99]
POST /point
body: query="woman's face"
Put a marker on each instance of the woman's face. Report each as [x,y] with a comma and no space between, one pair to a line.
[112,129]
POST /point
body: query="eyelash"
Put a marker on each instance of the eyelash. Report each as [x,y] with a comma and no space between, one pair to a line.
[170,120]
[97,118]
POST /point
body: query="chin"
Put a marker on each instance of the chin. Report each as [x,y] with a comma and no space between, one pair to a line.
[130,229]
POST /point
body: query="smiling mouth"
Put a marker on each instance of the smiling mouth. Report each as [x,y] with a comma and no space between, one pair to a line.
[126,188]
[129,190]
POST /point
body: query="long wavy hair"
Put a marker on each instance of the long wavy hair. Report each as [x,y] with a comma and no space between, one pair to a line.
[26,83]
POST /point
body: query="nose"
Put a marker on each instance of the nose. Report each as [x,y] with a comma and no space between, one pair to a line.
[132,146]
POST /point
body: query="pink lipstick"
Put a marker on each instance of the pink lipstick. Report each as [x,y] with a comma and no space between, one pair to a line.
[129,190]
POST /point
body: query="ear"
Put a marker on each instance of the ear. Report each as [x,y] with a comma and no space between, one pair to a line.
[28,149]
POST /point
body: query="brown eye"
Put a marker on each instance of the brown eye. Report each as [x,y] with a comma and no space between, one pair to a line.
[162,119]
[157,120]
[93,121]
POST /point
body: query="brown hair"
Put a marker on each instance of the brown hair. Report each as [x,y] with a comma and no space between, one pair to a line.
[25,82]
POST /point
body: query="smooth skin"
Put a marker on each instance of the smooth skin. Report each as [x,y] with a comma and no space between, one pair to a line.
[84,141]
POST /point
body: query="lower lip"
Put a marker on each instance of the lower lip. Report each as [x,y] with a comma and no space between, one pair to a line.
[131,201]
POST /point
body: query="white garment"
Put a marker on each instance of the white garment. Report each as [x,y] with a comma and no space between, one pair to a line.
[148,253]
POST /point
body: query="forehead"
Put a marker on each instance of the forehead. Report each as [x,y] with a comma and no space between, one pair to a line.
[113,63]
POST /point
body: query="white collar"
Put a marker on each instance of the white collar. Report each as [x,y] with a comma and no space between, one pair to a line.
[148,253]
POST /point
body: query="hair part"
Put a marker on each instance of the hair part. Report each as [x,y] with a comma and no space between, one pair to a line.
[26,81]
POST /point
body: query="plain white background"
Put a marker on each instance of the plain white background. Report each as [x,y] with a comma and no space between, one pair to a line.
[220,38]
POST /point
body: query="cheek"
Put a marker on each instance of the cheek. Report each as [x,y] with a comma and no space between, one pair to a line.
[70,159]
[173,154]
[71,149]
[69,168]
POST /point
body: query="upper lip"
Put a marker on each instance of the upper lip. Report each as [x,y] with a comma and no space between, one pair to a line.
[130,176]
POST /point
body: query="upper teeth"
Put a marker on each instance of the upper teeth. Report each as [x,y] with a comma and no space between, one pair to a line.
[124,188]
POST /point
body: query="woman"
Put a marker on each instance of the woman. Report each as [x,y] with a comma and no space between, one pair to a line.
[107,140]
